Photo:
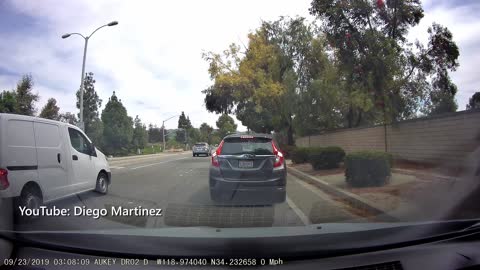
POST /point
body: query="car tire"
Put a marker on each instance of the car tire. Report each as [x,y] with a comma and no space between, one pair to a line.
[282,198]
[31,198]
[215,196]
[102,183]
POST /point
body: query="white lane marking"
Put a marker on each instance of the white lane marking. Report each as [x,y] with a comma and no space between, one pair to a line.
[117,167]
[297,211]
[153,164]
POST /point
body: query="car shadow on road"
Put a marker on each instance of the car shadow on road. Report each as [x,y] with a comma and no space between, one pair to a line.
[200,210]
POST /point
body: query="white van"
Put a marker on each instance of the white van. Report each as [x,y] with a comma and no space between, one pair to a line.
[43,160]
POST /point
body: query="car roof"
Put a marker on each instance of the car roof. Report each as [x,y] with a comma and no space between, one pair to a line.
[201,143]
[255,135]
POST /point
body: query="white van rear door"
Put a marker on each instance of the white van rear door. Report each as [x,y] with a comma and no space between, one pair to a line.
[52,160]
[20,157]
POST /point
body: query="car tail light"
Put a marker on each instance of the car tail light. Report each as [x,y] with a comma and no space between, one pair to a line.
[279,159]
[4,184]
[215,155]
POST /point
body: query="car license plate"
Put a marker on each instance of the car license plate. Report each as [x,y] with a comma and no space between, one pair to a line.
[245,164]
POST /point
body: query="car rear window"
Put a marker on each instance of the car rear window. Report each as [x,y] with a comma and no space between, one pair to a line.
[238,146]
[200,144]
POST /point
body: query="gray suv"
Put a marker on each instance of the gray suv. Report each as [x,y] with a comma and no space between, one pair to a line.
[201,149]
[249,170]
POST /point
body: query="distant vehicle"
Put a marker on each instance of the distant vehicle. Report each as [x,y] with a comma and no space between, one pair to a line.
[248,169]
[201,148]
[43,160]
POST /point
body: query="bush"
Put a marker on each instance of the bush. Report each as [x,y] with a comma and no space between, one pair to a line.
[326,157]
[368,168]
[300,155]
[287,150]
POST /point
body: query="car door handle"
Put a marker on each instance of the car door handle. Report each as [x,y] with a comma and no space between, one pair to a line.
[58,158]
[75,157]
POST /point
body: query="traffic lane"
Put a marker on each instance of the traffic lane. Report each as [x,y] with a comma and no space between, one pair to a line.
[123,163]
[179,186]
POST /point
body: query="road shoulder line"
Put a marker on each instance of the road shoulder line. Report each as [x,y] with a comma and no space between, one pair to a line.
[298,212]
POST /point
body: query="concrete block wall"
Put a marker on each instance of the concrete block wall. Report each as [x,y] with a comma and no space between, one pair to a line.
[439,139]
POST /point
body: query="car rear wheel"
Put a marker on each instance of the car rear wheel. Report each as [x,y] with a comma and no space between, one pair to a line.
[102,183]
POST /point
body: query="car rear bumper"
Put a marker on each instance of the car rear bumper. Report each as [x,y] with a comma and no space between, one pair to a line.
[247,192]
[201,152]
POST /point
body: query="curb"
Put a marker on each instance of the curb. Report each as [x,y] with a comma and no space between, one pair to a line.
[355,200]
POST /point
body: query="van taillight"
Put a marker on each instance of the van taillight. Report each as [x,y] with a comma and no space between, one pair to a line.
[279,159]
[4,184]
[215,155]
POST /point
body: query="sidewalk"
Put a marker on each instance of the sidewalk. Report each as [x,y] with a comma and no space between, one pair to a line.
[410,196]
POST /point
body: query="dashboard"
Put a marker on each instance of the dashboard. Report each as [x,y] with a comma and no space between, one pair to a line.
[456,254]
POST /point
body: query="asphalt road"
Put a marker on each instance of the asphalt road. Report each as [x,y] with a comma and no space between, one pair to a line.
[177,183]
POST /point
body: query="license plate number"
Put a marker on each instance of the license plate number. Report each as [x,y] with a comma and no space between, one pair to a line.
[245,164]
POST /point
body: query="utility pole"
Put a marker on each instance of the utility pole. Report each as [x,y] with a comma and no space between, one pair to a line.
[82,123]
[163,130]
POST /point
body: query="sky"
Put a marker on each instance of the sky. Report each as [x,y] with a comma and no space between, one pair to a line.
[152,58]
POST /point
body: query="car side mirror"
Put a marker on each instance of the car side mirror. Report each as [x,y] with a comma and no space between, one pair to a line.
[93,152]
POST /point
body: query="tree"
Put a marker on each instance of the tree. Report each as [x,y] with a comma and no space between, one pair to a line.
[91,105]
[194,136]
[474,102]
[96,132]
[384,78]
[155,134]
[215,139]
[184,124]
[225,125]
[118,127]
[68,117]
[278,82]
[440,57]
[8,102]
[25,99]
[256,84]
[50,110]
[205,133]
[140,134]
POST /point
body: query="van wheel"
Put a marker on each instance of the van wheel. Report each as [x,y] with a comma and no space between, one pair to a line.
[102,183]
[30,198]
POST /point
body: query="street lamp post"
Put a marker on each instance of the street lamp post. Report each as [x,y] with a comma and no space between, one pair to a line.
[163,129]
[82,124]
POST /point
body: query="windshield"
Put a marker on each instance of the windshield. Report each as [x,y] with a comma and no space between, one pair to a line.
[253,116]
[238,146]
[200,144]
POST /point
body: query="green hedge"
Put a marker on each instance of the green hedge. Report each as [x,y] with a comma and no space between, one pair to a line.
[326,157]
[368,168]
[299,155]
[287,150]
